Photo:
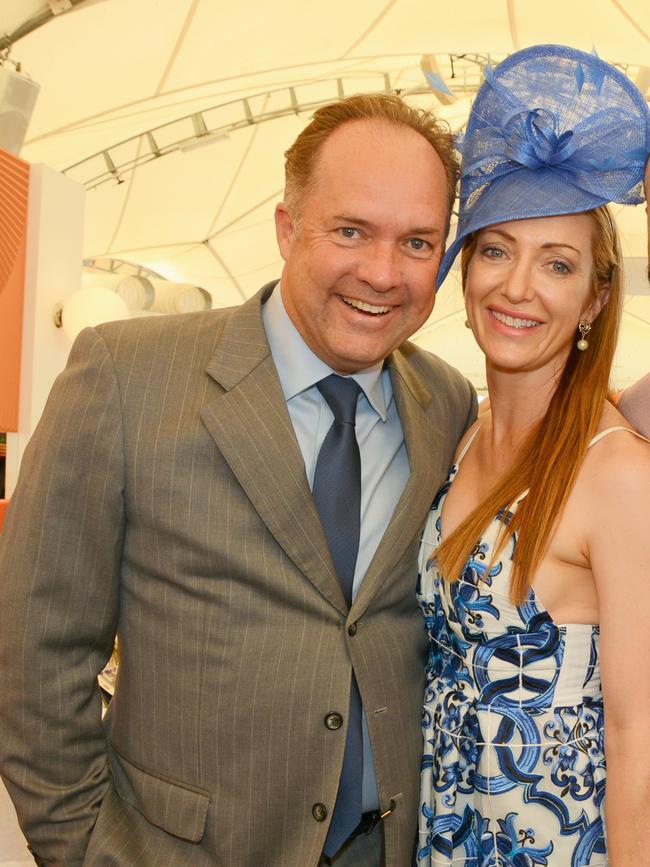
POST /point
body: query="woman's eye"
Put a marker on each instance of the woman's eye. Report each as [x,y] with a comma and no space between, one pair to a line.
[493,252]
[560,267]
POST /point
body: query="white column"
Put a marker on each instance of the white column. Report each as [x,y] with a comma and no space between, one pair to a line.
[53,272]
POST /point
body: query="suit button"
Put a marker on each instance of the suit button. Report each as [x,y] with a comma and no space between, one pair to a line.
[319,812]
[352,629]
[333,721]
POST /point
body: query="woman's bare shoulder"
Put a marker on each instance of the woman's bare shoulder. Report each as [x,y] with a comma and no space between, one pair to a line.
[618,462]
[616,433]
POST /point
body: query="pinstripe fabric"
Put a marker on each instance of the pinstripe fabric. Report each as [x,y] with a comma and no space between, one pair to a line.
[164,494]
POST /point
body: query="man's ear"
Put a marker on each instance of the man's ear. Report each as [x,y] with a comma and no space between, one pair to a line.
[285,229]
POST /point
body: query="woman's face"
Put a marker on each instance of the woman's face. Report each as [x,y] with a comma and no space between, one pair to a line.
[529,283]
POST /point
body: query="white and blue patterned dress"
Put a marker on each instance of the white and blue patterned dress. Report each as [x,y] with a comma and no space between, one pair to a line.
[513,773]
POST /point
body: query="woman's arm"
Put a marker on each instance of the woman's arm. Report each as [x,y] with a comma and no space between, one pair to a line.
[619,529]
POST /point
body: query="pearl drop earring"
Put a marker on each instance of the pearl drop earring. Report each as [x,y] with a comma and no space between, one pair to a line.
[584,328]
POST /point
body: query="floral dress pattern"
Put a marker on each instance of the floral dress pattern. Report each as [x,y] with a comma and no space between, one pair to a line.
[513,771]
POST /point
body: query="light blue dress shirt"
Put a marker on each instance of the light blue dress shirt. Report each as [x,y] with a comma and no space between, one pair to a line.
[384,461]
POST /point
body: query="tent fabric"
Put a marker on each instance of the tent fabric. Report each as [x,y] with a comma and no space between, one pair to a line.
[111,71]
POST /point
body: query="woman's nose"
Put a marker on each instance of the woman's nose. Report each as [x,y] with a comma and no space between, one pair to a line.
[518,283]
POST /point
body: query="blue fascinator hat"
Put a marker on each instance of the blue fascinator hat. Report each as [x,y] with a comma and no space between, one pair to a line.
[552,131]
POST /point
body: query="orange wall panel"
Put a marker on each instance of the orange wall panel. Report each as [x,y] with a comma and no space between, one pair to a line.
[14,188]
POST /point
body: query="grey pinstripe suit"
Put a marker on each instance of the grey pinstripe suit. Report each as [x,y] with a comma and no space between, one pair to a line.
[172,504]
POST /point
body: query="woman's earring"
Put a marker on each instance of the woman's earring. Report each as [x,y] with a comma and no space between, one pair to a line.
[584,328]
[467,325]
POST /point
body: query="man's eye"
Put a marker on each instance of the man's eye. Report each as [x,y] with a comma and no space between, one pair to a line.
[349,232]
[419,244]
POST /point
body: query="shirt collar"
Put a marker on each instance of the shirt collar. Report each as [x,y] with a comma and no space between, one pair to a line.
[299,368]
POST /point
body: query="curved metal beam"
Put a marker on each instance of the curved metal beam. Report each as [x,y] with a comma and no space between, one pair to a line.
[33,23]
[198,128]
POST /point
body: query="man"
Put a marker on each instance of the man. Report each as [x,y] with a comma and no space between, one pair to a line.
[167,494]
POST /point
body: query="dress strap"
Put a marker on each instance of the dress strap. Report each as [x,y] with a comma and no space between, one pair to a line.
[597,438]
[466,447]
[609,430]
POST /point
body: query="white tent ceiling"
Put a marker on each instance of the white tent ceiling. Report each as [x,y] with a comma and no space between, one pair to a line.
[113,72]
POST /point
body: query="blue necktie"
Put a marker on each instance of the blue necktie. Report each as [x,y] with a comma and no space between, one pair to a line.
[337,494]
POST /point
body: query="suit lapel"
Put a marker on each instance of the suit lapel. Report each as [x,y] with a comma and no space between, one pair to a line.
[251,426]
[427,463]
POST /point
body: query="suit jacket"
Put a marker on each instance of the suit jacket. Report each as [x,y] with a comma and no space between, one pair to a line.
[164,496]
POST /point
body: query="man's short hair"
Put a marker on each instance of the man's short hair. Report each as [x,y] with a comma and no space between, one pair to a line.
[302,156]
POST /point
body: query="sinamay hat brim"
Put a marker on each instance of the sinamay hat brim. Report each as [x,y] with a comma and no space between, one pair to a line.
[552,131]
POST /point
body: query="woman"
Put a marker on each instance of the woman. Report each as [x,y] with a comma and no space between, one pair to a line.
[532,566]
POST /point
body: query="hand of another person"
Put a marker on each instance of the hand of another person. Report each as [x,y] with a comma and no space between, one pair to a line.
[646,186]
[634,403]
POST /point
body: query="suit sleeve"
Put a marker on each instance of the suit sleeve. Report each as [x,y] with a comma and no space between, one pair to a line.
[473,405]
[60,557]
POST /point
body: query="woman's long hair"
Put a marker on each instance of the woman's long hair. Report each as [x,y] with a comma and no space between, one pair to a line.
[548,461]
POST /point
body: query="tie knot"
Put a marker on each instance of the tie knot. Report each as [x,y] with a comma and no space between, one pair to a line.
[341,395]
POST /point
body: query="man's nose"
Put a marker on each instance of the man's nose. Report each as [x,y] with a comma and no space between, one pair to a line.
[380,266]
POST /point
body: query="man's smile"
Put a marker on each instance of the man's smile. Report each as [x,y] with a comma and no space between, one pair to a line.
[365,307]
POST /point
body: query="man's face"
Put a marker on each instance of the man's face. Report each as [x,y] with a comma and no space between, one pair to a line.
[361,260]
